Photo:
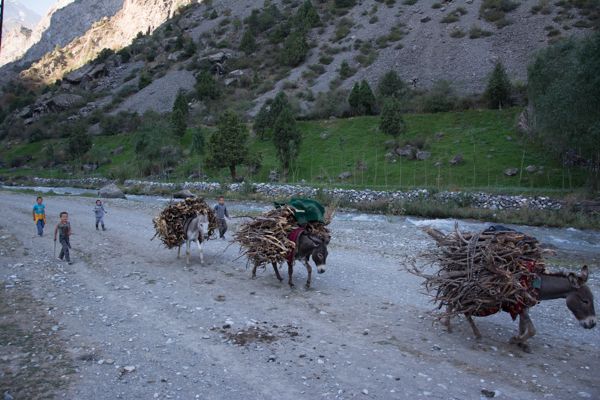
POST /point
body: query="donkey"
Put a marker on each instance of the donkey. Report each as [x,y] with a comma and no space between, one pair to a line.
[307,246]
[196,230]
[560,285]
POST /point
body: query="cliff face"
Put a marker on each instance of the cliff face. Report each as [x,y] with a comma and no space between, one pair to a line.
[16,30]
[112,32]
[67,20]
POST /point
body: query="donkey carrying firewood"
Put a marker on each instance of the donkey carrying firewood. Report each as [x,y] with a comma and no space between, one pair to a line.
[307,246]
[196,231]
[558,285]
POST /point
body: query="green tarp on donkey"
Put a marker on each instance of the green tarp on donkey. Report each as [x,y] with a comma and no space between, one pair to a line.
[307,210]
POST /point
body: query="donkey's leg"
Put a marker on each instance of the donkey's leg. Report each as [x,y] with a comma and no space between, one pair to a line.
[526,331]
[254,271]
[178,252]
[290,273]
[187,252]
[277,272]
[309,271]
[473,326]
[447,320]
[199,244]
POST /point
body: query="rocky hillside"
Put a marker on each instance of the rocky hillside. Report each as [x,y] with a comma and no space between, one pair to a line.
[16,29]
[65,21]
[457,41]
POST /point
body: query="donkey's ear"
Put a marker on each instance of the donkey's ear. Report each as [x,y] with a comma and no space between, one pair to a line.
[584,274]
[574,280]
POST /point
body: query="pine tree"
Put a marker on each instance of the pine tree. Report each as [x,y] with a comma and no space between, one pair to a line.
[262,121]
[307,16]
[391,121]
[206,86]
[248,42]
[294,49]
[345,70]
[367,98]
[287,139]
[228,146]
[498,88]
[354,99]
[79,143]
[198,142]
[390,85]
[179,115]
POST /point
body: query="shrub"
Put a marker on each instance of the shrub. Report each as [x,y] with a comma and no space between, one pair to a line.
[79,143]
[145,79]
[345,70]
[476,32]
[440,98]
[495,11]
[564,97]
[331,104]
[361,99]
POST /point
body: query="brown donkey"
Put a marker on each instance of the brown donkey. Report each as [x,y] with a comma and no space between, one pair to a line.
[561,285]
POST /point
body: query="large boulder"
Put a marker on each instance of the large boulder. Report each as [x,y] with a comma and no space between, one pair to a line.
[64,101]
[511,171]
[345,175]
[183,194]
[111,191]
[423,155]
[457,159]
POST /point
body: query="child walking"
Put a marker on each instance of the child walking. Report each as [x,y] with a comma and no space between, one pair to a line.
[63,228]
[221,211]
[39,215]
[100,212]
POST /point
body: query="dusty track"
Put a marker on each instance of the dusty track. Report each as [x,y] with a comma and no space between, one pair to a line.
[362,331]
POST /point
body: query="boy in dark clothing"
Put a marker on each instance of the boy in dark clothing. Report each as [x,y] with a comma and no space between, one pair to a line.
[64,230]
[221,211]
[39,215]
[99,211]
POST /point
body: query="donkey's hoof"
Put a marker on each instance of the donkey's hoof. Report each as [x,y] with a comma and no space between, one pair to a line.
[253,277]
[515,340]
[291,285]
[307,286]
[525,347]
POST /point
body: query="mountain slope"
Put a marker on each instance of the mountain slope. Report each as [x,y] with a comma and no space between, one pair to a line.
[112,32]
[67,20]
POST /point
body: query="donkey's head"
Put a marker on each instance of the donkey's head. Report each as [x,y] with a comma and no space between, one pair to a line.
[319,252]
[581,300]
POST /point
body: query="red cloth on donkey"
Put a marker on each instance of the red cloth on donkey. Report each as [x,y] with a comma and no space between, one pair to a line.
[293,236]
[514,309]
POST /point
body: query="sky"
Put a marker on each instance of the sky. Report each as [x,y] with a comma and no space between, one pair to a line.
[39,6]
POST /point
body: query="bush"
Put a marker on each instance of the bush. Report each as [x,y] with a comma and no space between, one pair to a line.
[440,98]
[79,143]
[145,79]
[495,11]
[498,88]
[564,97]
[345,70]
[361,99]
[331,104]
[179,115]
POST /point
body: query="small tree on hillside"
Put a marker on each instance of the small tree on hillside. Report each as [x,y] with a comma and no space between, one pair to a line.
[198,142]
[391,122]
[307,16]
[228,146]
[368,98]
[355,100]
[79,144]
[180,114]
[294,49]
[206,86]
[264,121]
[498,87]
[287,139]
[390,85]
[248,42]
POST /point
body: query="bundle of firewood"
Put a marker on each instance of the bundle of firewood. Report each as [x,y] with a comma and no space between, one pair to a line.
[264,239]
[482,272]
[169,224]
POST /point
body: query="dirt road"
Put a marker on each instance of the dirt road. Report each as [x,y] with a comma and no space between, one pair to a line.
[130,321]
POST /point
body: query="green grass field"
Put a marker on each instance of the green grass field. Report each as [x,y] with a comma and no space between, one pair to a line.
[331,147]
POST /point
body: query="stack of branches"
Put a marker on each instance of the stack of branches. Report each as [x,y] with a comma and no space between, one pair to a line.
[482,272]
[264,239]
[169,224]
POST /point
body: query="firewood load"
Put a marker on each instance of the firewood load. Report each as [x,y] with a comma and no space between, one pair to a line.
[264,239]
[480,274]
[169,224]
